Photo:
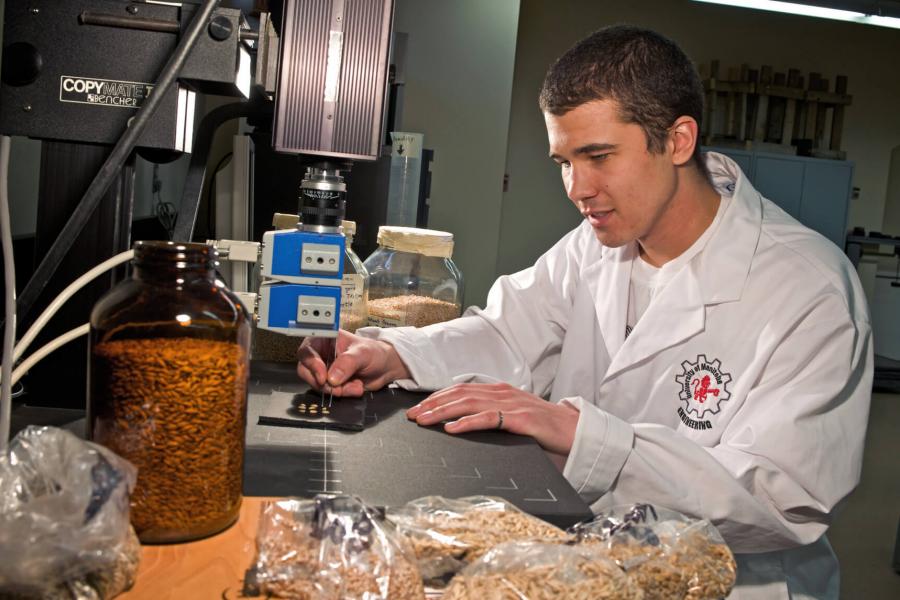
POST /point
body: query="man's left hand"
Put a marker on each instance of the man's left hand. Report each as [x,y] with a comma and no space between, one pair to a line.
[475,406]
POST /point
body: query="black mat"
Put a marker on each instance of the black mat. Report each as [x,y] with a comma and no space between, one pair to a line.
[393,460]
[310,409]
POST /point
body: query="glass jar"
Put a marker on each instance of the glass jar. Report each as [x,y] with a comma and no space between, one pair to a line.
[354,285]
[169,361]
[412,278]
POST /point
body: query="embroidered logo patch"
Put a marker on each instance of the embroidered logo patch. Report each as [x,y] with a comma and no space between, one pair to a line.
[702,389]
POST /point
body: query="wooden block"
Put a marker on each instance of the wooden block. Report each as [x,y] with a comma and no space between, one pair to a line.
[775,122]
[794,79]
[840,84]
[819,138]
[809,127]
[829,98]
[787,130]
[761,118]
[782,91]
[741,132]
[765,75]
[730,114]
[837,128]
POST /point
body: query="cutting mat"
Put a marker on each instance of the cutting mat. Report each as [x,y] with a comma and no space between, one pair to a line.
[393,460]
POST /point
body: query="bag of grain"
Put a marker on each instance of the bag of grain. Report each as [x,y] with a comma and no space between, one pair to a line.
[536,571]
[334,547]
[448,534]
[669,555]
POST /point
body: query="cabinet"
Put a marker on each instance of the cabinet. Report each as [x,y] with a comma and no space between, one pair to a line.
[814,191]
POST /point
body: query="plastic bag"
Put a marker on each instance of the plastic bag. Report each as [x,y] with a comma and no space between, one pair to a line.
[333,548]
[668,554]
[64,530]
[537,571]
[446,534]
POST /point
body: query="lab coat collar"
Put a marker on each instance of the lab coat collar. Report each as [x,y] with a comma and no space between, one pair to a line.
[716,275]
[724,265]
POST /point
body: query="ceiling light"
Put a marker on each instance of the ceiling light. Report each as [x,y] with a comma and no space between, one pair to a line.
[811,11]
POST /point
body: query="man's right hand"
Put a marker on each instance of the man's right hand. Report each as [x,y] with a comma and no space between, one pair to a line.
[361,364]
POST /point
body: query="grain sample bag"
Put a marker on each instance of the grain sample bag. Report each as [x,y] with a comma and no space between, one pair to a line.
[447,534]
[333,548]
[64,530]
[669,555]
[536,571]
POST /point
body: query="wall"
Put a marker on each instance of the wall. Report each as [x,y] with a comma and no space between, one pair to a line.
[535,210]
[458,88]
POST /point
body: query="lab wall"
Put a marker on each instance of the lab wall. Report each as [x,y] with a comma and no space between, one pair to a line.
[535,210]
[459,82]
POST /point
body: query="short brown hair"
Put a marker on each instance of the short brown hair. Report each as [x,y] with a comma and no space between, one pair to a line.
[648,75]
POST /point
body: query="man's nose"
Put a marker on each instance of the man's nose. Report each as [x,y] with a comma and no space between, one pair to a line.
[580,185]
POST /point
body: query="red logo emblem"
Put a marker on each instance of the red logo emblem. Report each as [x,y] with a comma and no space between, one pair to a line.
[703,386]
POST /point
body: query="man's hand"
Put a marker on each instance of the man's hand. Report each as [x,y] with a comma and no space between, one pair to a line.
[474,406]
[360,364]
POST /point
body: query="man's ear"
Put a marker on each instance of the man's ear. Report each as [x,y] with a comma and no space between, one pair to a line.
[684,135]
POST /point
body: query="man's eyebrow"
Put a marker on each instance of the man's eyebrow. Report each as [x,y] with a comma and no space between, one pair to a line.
[588,149]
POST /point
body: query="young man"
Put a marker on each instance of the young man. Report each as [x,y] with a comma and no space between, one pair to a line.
[701,350]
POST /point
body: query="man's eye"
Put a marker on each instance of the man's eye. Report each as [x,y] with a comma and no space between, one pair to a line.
[599,157]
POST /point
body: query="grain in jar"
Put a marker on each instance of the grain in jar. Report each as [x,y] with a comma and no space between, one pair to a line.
[412,278]
[169,361]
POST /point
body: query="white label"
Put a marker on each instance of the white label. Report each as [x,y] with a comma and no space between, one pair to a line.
[103,92]
[376,321]
[352,286]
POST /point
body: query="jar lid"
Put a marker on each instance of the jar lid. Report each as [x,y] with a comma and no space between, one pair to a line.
[428,242]
[349,227]
[285,221]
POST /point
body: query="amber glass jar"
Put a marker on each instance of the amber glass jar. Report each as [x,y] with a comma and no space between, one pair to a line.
[169,360]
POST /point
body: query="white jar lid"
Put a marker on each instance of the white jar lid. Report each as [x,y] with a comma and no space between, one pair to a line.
[428,242]
[348,227]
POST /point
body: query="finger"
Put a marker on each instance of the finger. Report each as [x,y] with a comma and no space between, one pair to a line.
[435,400]
[307,376]
[453,410]
[477,422]
[351,389]
[309,358]
[346,365]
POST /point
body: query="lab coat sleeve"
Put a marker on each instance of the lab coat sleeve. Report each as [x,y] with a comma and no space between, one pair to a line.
[516,338]
[789,456]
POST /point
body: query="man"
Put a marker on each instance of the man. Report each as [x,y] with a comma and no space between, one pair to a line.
[701,350]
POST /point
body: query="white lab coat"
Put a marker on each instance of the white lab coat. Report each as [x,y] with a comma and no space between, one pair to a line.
[770,313]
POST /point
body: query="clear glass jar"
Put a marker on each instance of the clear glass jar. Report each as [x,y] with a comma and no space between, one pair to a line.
[169,362]
[354,286]
[412,278]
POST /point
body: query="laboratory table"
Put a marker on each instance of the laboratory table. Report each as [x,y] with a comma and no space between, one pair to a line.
[391,461]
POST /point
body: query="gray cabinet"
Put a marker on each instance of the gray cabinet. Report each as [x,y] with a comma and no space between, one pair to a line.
[814,191]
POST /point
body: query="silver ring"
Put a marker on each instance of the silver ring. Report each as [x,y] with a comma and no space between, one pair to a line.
[499,419]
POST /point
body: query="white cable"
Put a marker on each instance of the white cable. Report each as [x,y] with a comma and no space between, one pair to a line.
[64,296]
[46,349]
[9,280]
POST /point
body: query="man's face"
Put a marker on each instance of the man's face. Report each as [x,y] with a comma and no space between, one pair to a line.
[615,182]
